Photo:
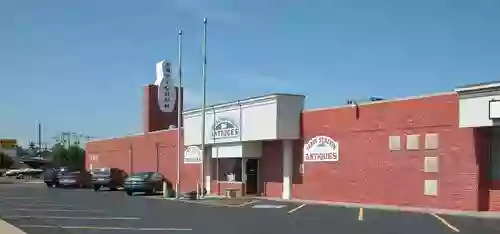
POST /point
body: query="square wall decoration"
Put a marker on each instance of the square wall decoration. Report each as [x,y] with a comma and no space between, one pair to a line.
[394,143]
[412,142]
[431,164]
[431,141]
[431,187]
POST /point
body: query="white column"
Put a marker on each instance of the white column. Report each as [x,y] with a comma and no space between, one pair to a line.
[208,169]
[287,169]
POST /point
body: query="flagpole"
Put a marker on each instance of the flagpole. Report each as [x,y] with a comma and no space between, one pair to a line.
[203,108]
[180,149]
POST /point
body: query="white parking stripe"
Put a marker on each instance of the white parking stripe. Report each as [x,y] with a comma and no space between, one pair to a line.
[106,228]
[249,203]
[455,229]
[66,217]
[296,208]
[60,210]
[42,205]
[20,198]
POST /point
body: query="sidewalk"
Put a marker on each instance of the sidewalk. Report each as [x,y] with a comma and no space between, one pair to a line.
[9,228]
[477,214]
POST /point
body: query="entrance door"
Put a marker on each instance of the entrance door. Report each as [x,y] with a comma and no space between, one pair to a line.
[252,171]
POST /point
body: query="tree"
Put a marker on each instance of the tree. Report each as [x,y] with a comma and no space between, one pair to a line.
[5,161]
[60,155]
[72,157]
[32,147]
[76,157]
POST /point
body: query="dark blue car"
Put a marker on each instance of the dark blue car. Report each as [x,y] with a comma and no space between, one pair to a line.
[145,182]
[51,176]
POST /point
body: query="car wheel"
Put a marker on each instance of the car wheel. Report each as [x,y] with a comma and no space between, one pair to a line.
[49,185]
[130,193]
[96,188]
[113,189]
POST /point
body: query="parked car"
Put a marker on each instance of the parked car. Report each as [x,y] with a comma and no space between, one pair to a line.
[51,176]
[20,173]
[30,173]
[79,179]
[148,182]
[13,172]
[111,178]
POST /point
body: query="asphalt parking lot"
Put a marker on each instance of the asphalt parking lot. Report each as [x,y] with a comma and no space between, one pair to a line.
[37,209]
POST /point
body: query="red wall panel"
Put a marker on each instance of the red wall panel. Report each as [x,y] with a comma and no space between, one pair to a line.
[150,152]
[271,169]
[368,172]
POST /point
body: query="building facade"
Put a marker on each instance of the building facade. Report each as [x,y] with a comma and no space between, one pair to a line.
[428,151]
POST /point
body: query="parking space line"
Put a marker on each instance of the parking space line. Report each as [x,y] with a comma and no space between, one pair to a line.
[20,198]
[66,217]
[248,203]
[445,222]
[43,206]
[296,208]
[360,214]
[105,228]
[60,210]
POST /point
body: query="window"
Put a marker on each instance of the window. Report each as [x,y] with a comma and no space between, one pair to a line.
[229,169]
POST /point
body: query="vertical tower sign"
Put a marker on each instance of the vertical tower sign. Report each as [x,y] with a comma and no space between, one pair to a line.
[166,87]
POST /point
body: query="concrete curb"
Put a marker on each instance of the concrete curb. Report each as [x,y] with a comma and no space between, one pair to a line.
[476,214]
[6,227]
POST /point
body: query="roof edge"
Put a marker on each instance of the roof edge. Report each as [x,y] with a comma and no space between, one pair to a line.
[384,101]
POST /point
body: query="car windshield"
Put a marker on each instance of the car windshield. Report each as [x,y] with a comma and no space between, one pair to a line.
[142,175]
[101,171]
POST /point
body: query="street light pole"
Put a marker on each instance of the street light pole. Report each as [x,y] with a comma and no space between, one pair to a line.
[203,108]
[180,149]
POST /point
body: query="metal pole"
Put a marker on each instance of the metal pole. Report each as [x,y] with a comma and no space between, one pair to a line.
[39,153]
[203,107]
[216,157]
[180,149]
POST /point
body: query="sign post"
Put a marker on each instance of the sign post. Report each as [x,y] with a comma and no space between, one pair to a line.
[203,109]
[180,150]
[166,100]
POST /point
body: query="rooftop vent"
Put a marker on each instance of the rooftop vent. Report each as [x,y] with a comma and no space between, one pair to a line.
[370,99]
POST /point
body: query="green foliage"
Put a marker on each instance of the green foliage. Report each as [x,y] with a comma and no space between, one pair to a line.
[5,161]
[76,157]
[72,156]
[60,155]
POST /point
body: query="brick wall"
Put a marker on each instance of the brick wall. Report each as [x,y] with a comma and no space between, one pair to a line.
[368,172]
[153,118]
[155,151]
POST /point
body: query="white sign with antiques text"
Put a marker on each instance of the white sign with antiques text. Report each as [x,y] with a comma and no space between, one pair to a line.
[225,129]
[321,149]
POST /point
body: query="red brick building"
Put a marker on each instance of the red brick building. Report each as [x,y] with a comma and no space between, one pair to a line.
[427,151]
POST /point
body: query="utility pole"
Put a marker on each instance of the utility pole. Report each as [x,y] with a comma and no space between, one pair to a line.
[39,150]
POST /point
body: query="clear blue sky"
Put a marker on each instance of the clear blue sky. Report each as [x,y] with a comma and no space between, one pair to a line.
[80,65]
